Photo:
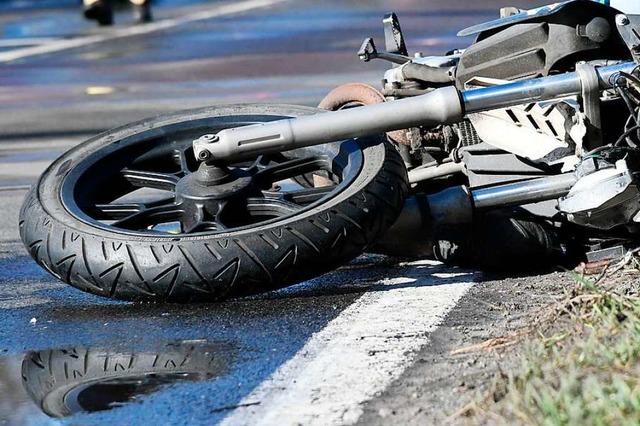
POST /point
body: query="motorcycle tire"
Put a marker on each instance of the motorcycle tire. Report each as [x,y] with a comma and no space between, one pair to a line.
[63,382]
[74,223]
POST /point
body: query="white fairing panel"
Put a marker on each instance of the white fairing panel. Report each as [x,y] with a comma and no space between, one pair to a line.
[631,7]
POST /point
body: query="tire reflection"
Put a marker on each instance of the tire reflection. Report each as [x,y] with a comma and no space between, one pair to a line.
[63,382]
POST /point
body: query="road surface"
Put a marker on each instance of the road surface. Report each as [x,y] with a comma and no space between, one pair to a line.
[310,354]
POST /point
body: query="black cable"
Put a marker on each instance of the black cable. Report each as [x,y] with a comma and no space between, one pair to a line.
[625,98]
[625,135]
[631,77]
[634,113]
[596,150]
[633,82]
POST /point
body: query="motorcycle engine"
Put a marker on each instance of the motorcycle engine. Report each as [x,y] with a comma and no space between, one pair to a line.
[541,42]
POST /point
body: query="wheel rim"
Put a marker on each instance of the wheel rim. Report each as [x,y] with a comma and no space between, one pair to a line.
[144,184]
[107,394]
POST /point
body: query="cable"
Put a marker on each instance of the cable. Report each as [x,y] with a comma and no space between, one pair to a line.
[625,98]
[625,135]
[627,126]
[634,113]
[631,77]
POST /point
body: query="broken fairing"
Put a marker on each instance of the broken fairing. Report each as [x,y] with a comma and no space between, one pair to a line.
[603,199]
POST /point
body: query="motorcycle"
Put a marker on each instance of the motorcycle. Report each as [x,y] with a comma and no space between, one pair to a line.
[535,126]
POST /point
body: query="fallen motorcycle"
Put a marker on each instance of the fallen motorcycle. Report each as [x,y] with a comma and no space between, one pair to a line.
[536,126]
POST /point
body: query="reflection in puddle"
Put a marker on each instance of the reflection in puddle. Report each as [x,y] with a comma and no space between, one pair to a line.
[63,382]
[16,408]
[111,393]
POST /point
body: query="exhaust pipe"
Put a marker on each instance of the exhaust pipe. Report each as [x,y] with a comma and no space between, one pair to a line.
[456,206]
[519,193]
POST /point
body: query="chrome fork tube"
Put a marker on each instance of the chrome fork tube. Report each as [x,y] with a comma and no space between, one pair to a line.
[537,89]
[445,105]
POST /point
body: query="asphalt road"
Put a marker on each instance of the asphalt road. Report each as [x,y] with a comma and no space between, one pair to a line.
[311,354]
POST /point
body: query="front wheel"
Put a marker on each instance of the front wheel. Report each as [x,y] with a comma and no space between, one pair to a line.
[126,214]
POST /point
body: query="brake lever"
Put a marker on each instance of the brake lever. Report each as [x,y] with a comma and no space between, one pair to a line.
[368,52]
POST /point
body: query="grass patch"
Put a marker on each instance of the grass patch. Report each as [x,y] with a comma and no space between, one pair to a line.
[580,364]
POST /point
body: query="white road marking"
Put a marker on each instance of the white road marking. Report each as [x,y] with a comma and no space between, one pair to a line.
[118,33]
[23,168]
[26,41]
[14,188]
[359,353]
[46,143]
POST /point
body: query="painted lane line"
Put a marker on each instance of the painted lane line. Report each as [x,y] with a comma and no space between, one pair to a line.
[359,353]
[23,168]
[46,143]
[26,41]
[14,188]
[118,33]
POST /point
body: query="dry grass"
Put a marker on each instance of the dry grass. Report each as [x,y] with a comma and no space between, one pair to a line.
[581,359]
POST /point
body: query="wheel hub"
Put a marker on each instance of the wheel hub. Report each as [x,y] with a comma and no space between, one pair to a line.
[205,192]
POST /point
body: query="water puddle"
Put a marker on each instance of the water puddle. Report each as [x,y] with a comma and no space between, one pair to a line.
[43,386]
[16,408]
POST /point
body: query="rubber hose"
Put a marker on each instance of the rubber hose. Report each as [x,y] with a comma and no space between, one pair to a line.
[426,73]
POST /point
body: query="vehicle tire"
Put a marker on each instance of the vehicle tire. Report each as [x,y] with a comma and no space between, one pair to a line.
[75,224]
[62,382]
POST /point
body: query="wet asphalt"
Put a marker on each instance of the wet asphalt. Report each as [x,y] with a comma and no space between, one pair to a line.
[292,52]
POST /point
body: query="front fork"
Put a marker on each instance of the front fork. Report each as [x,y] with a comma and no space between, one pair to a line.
[446,105]
[442,106]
